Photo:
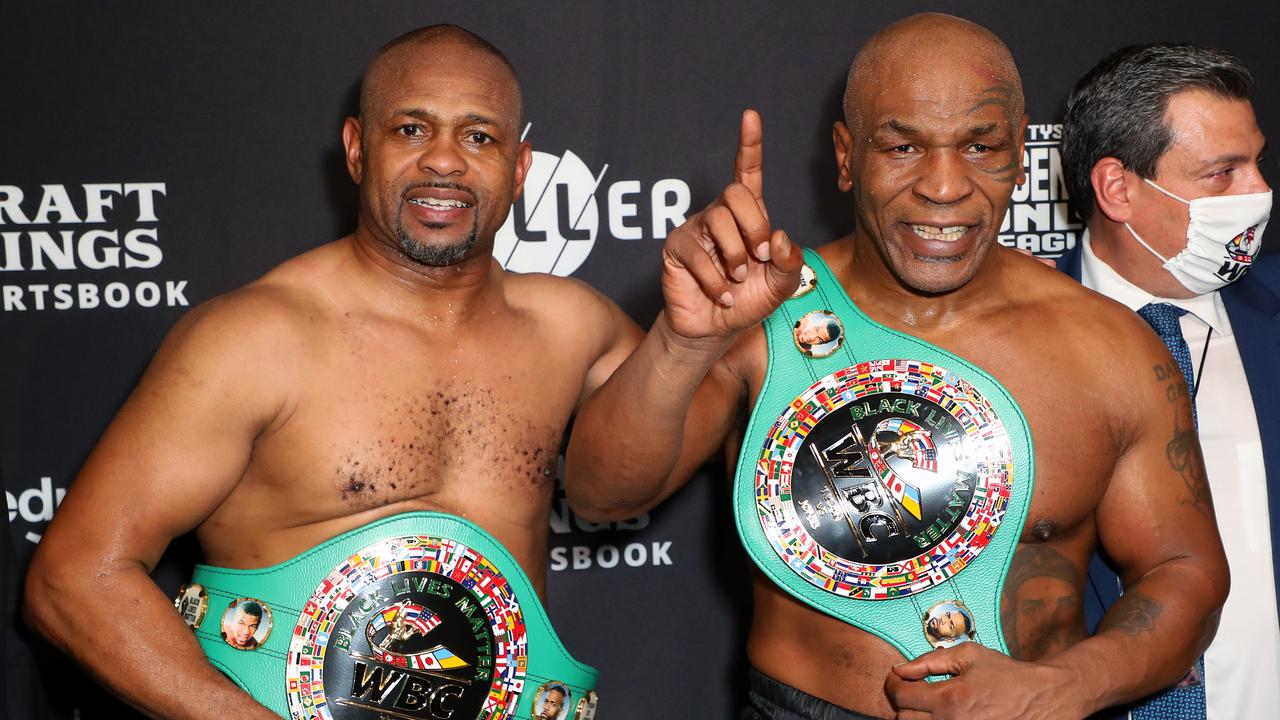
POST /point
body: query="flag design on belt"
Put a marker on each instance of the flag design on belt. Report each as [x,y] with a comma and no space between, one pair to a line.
[420,618]
[403,621]
[912,443]
[917,443]
[403,616]
[437,658]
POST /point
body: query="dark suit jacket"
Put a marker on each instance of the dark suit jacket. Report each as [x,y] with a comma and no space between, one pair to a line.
[1253,306]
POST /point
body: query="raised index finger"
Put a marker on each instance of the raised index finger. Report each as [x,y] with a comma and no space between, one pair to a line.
[748,166]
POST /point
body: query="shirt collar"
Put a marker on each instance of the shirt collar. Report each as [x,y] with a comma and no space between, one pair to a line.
[1097,275]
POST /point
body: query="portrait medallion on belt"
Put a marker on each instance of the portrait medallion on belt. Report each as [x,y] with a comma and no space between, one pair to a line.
[417,627]
[552,701]
[587,706]
[192,602]
[808,281]
[948,624]
[246,623]
[883,479]
[818,334]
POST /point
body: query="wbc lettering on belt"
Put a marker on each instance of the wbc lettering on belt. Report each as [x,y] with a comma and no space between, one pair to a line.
[414,628]
[416,645]
[883,479]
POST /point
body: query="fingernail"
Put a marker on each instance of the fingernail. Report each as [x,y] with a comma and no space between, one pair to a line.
[727,299]
[740,273]
[762,251]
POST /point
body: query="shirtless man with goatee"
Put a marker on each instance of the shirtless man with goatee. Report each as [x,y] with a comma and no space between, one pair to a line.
[391,397]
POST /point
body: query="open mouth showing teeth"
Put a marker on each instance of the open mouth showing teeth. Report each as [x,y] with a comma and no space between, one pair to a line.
[947,234]
[437,204]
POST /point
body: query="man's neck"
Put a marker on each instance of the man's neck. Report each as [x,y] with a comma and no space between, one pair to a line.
[400,284]
[880,293]
[1114,245]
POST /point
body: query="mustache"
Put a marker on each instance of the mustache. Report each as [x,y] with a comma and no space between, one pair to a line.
[440,185]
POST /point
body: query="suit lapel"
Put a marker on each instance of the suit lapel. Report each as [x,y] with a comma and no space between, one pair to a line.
[1253,305]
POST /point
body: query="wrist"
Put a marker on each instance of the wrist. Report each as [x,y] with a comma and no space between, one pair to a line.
[705,348]
[1072,688]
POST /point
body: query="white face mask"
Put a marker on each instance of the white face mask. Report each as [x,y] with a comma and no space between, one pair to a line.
[1223,238]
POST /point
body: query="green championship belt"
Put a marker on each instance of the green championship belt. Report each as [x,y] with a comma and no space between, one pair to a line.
[882,480]
[419,616]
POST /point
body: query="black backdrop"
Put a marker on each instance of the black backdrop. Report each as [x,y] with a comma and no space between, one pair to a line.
[156,155]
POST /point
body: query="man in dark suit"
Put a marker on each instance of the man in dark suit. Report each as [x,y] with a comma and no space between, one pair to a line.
[1162,152]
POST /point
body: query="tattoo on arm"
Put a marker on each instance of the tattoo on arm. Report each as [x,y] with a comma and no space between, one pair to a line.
[1183,450]
[1040,606]
[1133,613]
[1209,630]
[1170,374]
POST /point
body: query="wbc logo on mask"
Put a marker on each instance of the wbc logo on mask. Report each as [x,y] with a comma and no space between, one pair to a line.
[1241,250]
[1244,246]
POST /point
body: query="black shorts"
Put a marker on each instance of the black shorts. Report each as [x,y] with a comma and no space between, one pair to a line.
[769,699]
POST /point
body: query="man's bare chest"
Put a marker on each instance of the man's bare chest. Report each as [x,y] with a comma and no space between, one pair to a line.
[359,441]
[1069,417]
[1072,434]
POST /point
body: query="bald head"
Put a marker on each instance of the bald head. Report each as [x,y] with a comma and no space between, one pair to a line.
[440,117]
[449,44]
[931,148]
[934,42]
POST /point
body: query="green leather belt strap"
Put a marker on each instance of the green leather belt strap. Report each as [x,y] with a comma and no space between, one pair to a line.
[419,615]
[882,480]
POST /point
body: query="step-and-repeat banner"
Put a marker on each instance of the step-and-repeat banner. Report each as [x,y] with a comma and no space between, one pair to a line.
[156,155]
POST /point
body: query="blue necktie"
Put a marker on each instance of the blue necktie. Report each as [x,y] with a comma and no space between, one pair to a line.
[1186,702]
[1163,318]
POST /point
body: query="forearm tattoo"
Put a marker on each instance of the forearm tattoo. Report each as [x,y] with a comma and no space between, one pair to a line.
[1134,613]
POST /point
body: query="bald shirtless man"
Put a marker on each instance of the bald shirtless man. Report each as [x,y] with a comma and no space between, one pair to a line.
[396,370]
[855,489]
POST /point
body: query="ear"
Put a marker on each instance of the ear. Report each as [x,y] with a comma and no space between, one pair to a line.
[1110,184]
[351,135]
[1021,141]
[842,140]
[524,158]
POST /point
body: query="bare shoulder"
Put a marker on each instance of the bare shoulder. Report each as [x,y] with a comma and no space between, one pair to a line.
[273,310]
[567,306]
[836,253]
[543,292]
[1068,311]
[253,337]
[1094,341]
[584,327]
[742,368]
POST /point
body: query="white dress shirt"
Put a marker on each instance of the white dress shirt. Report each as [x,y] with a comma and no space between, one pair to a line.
[1242,666]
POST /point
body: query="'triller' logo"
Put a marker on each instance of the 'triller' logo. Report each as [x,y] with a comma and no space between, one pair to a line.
[555,223]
